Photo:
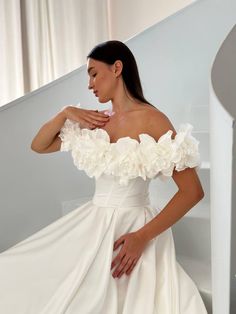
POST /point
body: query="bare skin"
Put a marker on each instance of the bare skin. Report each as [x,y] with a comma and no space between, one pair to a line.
[129,124]
[47,140]
[131,118]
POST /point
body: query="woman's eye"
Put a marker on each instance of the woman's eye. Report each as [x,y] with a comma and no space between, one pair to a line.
[94,75]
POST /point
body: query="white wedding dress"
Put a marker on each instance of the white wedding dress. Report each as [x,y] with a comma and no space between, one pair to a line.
[65,268]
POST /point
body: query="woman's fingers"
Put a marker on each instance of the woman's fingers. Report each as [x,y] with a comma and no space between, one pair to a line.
[93,122]
[94,118]
[122,261]
[131,267]
[99,115]
[125,267]
[87,118]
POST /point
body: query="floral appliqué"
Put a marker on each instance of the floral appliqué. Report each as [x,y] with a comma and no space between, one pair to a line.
[127,159]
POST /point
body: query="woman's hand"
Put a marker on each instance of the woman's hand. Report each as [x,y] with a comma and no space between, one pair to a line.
[87,118]
[127,258]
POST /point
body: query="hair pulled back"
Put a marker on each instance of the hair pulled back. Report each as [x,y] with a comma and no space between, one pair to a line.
[112,50]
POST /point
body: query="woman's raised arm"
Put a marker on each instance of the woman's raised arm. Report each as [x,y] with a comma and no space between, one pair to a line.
[47,140]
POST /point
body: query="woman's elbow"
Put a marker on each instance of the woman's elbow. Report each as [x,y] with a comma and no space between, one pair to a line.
[35,148]
[198,194]
[201,195]
[194,193]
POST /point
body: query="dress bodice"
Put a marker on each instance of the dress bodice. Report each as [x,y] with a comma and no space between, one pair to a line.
[109,192]
[93,152]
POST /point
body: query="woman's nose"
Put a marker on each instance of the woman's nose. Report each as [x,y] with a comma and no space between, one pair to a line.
[90,85]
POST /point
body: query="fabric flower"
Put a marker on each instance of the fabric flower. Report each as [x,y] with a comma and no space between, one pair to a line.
[186,148]
[125,159]
[158,155]
[90,153]
[69,134]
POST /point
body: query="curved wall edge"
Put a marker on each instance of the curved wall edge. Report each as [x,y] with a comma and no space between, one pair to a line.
[222,176]
[223,73]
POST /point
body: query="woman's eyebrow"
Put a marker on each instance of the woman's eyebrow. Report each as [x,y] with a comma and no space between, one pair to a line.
[89,69]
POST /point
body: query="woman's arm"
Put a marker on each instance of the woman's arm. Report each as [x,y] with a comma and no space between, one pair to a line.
[189,193]
[134,243]
[47,140]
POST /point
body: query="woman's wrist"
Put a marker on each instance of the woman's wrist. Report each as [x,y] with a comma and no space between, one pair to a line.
[64,112]
[143,235]
[70,112]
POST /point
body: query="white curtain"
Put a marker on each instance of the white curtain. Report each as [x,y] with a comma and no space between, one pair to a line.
[41,40]
[11,52]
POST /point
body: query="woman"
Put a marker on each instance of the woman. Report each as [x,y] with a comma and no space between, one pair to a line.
[73,265]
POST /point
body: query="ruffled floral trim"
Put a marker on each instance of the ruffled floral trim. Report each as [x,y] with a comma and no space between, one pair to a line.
[127,158]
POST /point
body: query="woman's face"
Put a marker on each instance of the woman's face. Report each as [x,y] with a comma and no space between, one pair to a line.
[102,79]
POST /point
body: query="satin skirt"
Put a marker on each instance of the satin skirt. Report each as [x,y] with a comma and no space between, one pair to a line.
[65,268]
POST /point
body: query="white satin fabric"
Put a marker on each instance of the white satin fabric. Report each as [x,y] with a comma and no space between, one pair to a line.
[65,267]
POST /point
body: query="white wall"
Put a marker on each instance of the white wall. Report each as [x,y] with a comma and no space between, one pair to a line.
[128,18]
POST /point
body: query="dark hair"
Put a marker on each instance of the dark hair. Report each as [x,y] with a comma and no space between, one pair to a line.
[112,50]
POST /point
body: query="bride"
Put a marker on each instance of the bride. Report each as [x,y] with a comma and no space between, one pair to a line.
[114,254]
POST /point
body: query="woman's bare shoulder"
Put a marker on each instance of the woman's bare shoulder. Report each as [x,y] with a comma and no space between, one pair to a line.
[158,123]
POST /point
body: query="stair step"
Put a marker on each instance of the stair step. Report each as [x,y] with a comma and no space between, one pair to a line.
[205,164]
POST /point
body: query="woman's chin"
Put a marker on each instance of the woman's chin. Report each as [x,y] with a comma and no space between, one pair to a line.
[103,100]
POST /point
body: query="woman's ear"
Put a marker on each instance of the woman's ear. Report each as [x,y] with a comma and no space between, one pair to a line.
[118,66]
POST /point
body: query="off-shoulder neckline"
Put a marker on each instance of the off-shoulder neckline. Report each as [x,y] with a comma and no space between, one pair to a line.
[142,159]
[184,128]
[130,138]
